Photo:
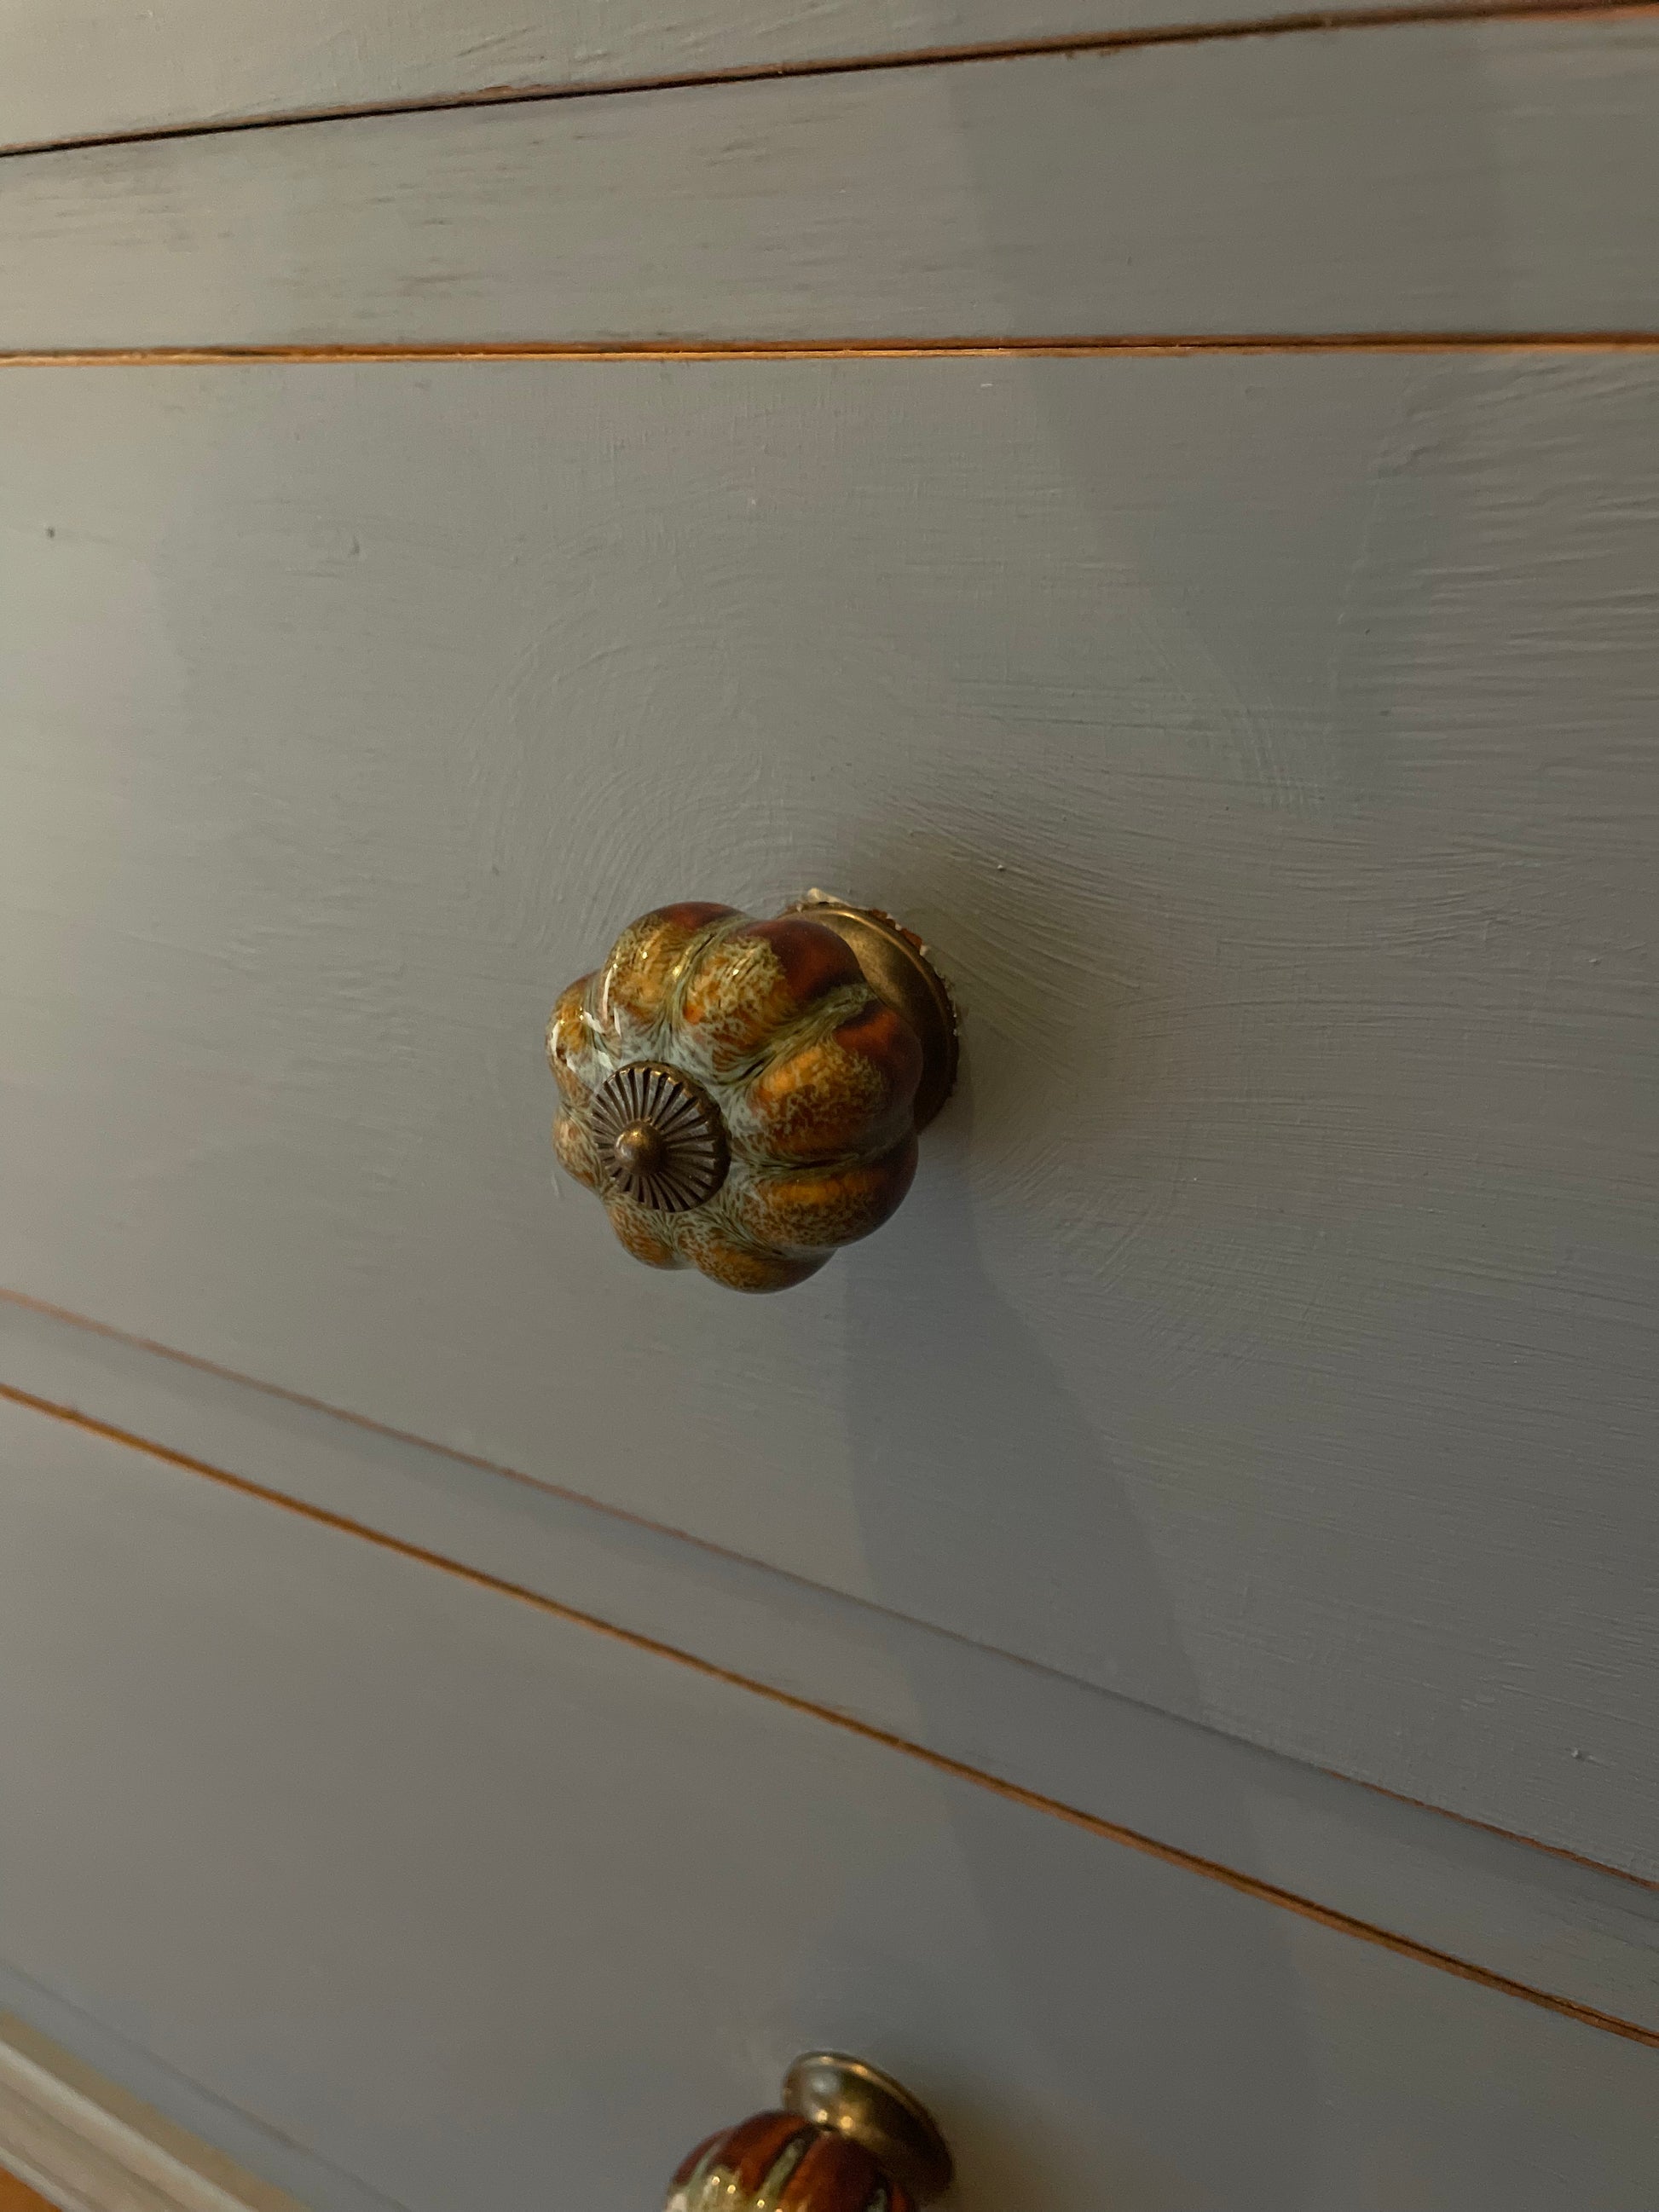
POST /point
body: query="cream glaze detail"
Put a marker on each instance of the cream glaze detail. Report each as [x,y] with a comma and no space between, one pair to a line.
[740,1094]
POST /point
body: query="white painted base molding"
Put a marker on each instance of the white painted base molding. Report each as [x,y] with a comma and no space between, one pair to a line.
[89,2147]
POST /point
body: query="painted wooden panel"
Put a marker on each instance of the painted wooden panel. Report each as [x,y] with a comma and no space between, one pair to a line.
[1265,744]
[1558,1926]
[179,63]
[481,1908]
[1466,177]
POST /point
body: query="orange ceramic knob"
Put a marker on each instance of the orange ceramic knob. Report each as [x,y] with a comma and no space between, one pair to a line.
[848,2139]
[745,1096]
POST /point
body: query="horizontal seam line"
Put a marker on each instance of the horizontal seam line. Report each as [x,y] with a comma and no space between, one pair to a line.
[692,349]
[704,1545]
[1319,20]
[1031,1799]
[546,1486]
[1509,1835]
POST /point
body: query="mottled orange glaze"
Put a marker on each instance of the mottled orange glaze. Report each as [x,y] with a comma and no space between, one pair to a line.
[572,1148]
[739,1263]
[814,959]
[644,964]
[567,1043]
[811,1075]
[826,1206]
[642,1234]
[840,1094]
[752,981]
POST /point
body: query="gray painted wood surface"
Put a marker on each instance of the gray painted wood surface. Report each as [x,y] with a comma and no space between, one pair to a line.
[73,68]
[1462,177]
[481,1908]
[1264,742]
[1558,1926]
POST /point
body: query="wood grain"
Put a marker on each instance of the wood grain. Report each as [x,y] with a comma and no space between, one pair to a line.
[530,1971]
[1417,179]
[1263,744]
[1536,1919]
[187,63]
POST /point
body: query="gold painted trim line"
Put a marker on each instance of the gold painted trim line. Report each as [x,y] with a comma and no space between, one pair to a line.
[1342,1924]
[1007,50]
[704,1544]
[949,349]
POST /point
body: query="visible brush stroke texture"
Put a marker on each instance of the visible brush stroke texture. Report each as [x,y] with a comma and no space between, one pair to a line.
[179,63]
[1539,1919]
[1266,747]
[486,1910]
[1416,178]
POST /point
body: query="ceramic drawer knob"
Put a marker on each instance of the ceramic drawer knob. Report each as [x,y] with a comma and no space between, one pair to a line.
[847,2139]
[745,1096]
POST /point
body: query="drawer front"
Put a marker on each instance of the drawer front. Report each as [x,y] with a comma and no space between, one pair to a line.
[1169,514]
[1420,178]
[1263,743]
[474,1905]
[183,63]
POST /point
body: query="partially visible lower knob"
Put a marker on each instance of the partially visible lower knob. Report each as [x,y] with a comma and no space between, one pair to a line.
[847,2139]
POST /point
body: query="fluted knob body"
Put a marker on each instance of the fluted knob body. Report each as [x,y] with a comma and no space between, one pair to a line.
[848,2139]
[740,1094]
[778,2162]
